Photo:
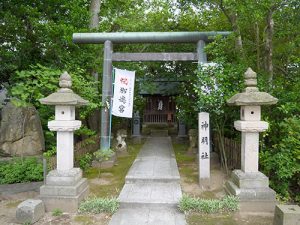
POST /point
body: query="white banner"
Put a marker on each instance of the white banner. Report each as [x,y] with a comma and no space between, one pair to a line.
[123,93]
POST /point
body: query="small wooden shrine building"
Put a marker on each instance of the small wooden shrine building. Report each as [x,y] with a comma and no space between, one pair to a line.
[160,107]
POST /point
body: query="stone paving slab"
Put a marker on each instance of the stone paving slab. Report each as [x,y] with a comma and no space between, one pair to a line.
[148,216]
[153,193]
[153,168]
[152,189]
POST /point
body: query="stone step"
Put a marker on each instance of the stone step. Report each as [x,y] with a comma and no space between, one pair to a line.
[153,169]
[148,216]
[145,194]
[159,133]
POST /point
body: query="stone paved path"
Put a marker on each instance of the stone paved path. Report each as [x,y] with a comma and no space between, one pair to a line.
[152,189]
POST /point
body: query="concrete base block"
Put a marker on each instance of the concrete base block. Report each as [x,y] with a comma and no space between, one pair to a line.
[56,194]
[51,190]
[136,139]
[253,191]
[287,215]
[159,133]
[30,211]
[62,178]
[106,163]
[65,203]
[257,206]
[249,180]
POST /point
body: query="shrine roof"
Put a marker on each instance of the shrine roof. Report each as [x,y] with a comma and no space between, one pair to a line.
[160,87]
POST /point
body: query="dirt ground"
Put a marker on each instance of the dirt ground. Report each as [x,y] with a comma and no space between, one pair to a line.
[8,211]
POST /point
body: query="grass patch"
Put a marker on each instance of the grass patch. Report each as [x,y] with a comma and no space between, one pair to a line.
[83,219]
[99,205]
[13,204]
[180,153]
[189,173]
[118,173]
[191,204]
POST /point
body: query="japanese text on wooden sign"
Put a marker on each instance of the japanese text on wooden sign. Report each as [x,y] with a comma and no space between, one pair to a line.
[123,93]
[204,145]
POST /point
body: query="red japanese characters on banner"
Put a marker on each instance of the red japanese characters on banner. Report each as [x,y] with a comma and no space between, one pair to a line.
[123,93]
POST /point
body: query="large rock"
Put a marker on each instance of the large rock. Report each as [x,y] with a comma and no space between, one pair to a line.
[3,96]
[21,131]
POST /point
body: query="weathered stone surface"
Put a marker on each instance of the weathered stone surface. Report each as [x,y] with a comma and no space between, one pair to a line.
[105,163]
[136,131]
[251,95]
[287,215]
[253,191]
[121,145]
[249,180]
[3,96]
[181,129]
[64,190]
[30,211]
[21,131]
[193,138]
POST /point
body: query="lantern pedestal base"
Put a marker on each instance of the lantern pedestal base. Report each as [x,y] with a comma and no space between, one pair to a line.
[64,190]
[253,191]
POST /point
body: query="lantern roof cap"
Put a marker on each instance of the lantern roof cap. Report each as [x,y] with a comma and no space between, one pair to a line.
[251,94]
[64,95]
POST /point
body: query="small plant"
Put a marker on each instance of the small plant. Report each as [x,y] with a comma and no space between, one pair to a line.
[98,205]
[26,223]
[57,212]
[227,204]
[85,161]
[102,155]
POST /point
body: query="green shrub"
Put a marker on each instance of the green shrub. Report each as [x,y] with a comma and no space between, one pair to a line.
[98,205]
[18,171]
[85,161]
[281,162]
[102,155]
[228,203]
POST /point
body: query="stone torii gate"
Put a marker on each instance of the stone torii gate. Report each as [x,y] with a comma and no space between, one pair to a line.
[199,38]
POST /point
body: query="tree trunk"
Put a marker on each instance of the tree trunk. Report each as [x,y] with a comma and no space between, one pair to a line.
[220,133]
[257,46]
[269,44]
[233,18]
[94,11]
[236,30]
[93,120]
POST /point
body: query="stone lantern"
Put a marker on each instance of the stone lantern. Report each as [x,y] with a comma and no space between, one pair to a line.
[64,187]
[250,185]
